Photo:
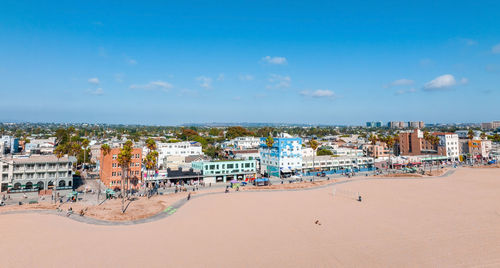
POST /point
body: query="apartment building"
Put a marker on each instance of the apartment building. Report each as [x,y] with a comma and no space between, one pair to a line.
[111,171]
[413,143]
[378,150]
[36,173]
[245,143]
[184,148]
[285,156]
[490,125]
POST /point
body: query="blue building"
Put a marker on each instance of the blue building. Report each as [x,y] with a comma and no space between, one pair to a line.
[283,158]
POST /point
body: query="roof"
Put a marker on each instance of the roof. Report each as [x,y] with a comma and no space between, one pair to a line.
[41,159]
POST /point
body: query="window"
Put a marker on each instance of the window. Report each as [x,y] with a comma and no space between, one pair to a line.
[113,174]
[114,156]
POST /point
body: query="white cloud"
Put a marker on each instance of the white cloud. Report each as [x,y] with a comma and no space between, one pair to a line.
[94,81]
[245,77]
[97,91]
[279,81]
[401,82]
[274,60]
[205,82]
[153,85]
[319,93]
[440,83]
[496,49]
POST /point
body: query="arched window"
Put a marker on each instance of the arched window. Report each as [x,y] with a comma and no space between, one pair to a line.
[29,185]
[17,186]
[40,185]
[62,183]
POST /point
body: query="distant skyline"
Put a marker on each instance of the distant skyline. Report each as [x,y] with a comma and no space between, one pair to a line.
[316,62]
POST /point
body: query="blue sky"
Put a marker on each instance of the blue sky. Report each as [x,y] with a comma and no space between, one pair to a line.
[172,62]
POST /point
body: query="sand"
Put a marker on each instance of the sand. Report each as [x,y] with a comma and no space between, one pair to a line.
[419,222]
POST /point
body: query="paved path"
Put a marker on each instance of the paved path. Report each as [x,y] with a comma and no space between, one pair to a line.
[177,205]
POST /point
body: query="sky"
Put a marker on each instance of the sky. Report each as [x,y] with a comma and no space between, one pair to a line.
[315,62]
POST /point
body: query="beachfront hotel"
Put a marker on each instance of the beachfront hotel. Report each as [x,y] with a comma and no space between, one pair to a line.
[284,157]
[36,173]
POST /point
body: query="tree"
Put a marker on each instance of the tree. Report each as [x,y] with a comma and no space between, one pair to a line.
[373,139]
[483,136]
[85,145]
[470,134]
[59,153]
[233,132]
[105,149]
[269,143]
[324,151]
[124,159]
[151,159]
[314,145]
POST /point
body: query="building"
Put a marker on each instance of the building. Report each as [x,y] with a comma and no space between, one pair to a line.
[307,152]
[490,125]
[330,164]
[450,143]
[413,143]
[479,148]
[379,150]
[36,173]
[245,143]
[345,151]
[410,124]
[223,171]
[285,156]
[184,148]
[111,171]
[374,124]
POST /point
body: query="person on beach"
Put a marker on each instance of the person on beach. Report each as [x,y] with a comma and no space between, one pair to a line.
[189,196]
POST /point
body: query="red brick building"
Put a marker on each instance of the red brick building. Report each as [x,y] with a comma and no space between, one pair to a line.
[413,143]
[112,172]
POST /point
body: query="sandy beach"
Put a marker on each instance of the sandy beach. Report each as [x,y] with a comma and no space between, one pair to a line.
[451,221]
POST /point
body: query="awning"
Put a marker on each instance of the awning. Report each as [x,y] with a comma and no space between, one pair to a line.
[286,170]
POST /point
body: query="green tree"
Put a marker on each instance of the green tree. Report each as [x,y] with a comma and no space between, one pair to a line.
[105,149]
[324,151]
[470,134]
[314,145]
[124,159]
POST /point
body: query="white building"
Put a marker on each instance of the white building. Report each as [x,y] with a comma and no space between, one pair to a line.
[330,163]
[343,151]
[307,152]
[244,143]
[36,173]
[451,144]
[184,148]
[285,156]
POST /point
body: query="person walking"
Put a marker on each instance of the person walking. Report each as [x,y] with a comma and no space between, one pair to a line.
[189,196]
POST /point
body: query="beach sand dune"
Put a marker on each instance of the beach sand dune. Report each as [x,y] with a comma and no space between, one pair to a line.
[445,222]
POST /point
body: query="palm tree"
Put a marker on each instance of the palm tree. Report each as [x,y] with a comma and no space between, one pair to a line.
[269,144]
[105,149]
[151,145]
[434,141]
[314,145]
[373,139]
[483,136]
[150,162]
[59,153]
[470,134]
[124,159]
[85,145]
